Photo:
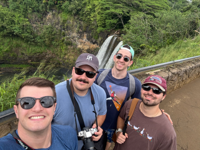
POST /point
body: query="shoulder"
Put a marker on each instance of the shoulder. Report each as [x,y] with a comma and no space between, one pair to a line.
[100,71]
[61,85]
[168,128]
[137,81]
[65,137]
[7,142]
[128,103]
[7,138]
[63,130]
[96,88]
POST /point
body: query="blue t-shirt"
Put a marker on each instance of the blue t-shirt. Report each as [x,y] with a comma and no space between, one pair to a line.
[63,138]
[64,113]
[117,93]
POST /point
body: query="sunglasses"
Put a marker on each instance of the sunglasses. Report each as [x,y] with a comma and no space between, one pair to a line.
[80,71]
[29,102]
[119,56]
[148,88]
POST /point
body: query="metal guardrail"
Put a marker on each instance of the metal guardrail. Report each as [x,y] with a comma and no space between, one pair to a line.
[161,65]
[9,114]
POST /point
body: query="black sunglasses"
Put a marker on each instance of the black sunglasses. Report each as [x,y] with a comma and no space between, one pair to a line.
[29,102]
[148,88]
[119,56]
[80,71]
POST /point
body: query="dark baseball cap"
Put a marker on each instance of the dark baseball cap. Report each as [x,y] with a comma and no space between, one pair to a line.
[87,59]
[158,81]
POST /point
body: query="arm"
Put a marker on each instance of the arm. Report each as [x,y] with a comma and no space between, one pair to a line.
[168,116]
[138,86]
[100,120]
[169,144]
[120,138]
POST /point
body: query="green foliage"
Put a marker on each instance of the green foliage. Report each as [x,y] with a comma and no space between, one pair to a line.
[152,33]
[14,24]
[179,50]
[8,88]
[72,7]
[114,14]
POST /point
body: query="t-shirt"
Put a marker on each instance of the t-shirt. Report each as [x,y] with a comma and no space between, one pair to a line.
[117,93]
[63,138]
[64,113]
[147,133]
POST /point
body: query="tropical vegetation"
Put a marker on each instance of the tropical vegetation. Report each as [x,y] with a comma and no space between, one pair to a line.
[159,31]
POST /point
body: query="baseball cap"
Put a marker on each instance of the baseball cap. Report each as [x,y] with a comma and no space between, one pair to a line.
[158,81]
[87,59]
[125,47]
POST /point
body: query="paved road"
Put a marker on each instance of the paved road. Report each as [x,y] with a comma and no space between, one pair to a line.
[184,107]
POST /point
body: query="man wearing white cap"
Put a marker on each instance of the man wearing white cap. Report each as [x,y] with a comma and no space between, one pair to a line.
[119,86]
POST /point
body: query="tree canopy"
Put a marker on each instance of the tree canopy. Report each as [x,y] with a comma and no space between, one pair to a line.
[145,24]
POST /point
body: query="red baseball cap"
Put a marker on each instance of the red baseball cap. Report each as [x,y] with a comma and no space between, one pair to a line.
[158,81]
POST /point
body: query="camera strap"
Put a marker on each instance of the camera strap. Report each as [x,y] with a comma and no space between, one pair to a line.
[20,142]
[76,106]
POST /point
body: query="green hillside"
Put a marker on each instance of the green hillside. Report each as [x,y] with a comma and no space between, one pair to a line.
[35,33]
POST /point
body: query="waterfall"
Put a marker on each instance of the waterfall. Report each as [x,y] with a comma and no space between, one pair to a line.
[107,51]
[102,51]
[110,62]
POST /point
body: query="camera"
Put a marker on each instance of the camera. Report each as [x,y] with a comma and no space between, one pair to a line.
[86,135]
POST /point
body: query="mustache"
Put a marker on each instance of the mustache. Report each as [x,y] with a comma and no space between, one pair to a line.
[82,80]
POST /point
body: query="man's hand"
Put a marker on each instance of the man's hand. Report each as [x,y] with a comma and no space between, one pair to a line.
[168,116]
[98,134]
[121,138]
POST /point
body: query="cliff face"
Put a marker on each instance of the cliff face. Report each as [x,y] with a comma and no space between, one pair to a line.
[70,30]
[61,40]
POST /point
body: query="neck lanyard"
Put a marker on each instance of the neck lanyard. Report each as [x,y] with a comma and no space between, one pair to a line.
[76,106]
[20,142]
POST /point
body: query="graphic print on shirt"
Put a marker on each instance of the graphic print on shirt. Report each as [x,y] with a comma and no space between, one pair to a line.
[117,94]
[141,131]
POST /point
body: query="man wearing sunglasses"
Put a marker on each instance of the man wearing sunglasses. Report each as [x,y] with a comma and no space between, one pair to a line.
[148,128]
[83,76]
[34,108]
[118,81]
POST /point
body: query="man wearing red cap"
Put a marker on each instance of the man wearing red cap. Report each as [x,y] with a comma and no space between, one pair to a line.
[148,128]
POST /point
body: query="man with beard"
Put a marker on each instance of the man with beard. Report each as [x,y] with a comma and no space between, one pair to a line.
[148,128]
[83,88]
[119,86]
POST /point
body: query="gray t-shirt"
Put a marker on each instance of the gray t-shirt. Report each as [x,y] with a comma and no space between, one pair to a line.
[147,133]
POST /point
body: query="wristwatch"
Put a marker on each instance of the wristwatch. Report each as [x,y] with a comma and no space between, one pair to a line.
[118,130]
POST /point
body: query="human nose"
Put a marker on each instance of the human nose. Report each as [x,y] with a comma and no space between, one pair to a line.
[151,91]
[122,58]
[84,75]
[37,107]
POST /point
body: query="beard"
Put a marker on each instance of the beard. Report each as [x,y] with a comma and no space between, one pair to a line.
[150,103]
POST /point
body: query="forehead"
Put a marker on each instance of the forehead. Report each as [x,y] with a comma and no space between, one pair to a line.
[124,52]
[34,91]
